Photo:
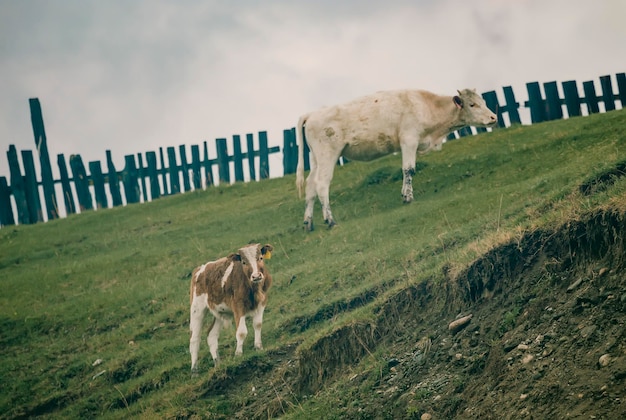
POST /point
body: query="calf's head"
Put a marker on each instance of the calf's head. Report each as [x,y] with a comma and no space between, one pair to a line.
[473,109]
[251,258]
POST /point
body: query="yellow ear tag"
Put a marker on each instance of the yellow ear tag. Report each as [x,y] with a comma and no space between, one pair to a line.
[267,255]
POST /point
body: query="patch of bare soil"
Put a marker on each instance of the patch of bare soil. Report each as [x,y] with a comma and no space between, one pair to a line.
[546,339]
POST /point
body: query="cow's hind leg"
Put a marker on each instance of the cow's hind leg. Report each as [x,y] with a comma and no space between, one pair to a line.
[322,183]
[196,317]
[311,193]
[409,149]
[212,339]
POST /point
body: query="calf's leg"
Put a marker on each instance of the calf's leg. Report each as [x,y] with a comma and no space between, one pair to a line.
[212,339]
[241,333]
[196,317]
[257,322]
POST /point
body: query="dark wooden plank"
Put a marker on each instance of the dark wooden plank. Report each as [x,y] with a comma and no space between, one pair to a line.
[491,99]
[173,171]
[237,158]
[155,190]
[512,106]
[41,142]
[6,210]
[184,167]
[290,151]
[31,189]
[251,156]
[264,156]
[621,88]
[208,166]
[572,98]
[607,93]
[17,187]
[97,177]
[81,183]
[195,167]
[536,103]
[66,186]
[130,180]
[591,99]
[222,161]
[114,181]
[163,170]
[553,101]
[142,173]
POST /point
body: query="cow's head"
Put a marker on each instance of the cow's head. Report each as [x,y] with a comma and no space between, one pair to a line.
[473,109]
[251,257]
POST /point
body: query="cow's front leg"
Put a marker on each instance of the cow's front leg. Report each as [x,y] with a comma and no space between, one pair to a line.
[407,184]
[196,317]
[242,333]
[257,322]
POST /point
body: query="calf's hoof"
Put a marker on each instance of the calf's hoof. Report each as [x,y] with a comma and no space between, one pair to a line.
[308,225]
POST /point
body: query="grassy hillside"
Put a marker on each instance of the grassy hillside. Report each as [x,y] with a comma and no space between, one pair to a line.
[94,308]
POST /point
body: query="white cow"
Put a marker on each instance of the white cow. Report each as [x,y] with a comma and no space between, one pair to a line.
[407,121]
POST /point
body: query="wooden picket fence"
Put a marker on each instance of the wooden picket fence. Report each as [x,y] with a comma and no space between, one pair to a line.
[145,181]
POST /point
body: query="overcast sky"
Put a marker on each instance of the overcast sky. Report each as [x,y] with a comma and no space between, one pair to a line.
[131,76]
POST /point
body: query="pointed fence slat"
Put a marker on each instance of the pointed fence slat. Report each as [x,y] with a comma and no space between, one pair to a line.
[66,187]
[44,159]
[31,191]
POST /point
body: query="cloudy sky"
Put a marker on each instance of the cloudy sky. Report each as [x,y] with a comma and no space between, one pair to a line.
[131,76]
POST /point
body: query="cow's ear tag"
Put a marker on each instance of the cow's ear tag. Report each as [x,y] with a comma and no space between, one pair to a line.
[267,255]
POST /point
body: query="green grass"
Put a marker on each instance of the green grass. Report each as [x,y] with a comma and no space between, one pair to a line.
[113,284]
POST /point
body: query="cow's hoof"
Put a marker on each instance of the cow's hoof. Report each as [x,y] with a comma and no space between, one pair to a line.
[308,225]
[330,223]
[194,372]
[407,200]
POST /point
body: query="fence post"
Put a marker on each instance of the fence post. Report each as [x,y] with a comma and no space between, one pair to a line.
[6,212]
[17,186]
[208,167]
[31,189]
[607,93]
[535,103]
[195,167]
[155,190]
[184,168]
[290,151]
[162,171]
[511,106]
[68,195]
[621,87]
[238,158]
[251,156]
[590,97]
[97,178]
[173,171]
[81,182]
[222,161]
[572,98]
[142,177]
[44,159]
[492,103]
[553,101]
[129,178]
[114,181]
[264,161]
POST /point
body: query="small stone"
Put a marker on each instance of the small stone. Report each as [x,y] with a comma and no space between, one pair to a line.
[97,362]
[604,360]
[523,396]
[602,271]
[522,347]
[527,359]
[426,416]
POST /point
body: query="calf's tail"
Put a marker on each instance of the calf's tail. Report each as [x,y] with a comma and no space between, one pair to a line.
[300,142]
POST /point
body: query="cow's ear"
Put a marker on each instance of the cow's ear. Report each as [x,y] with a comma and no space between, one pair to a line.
[266,251]
[235,257]
[458,101]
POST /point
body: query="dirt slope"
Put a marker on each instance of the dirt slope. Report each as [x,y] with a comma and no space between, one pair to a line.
[546,339]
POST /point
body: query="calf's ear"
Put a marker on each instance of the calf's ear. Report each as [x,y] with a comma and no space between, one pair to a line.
[266,251]
[235,257]
[458,101]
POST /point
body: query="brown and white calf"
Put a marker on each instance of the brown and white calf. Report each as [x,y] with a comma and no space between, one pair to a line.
[231,287]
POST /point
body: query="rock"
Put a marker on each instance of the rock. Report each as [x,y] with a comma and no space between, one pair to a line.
[458,324]
[426,416]
[574,285]
[602,271]
[604,360]
[527,359]
[522,347]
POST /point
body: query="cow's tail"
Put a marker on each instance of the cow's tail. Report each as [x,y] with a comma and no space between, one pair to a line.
[300,142]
